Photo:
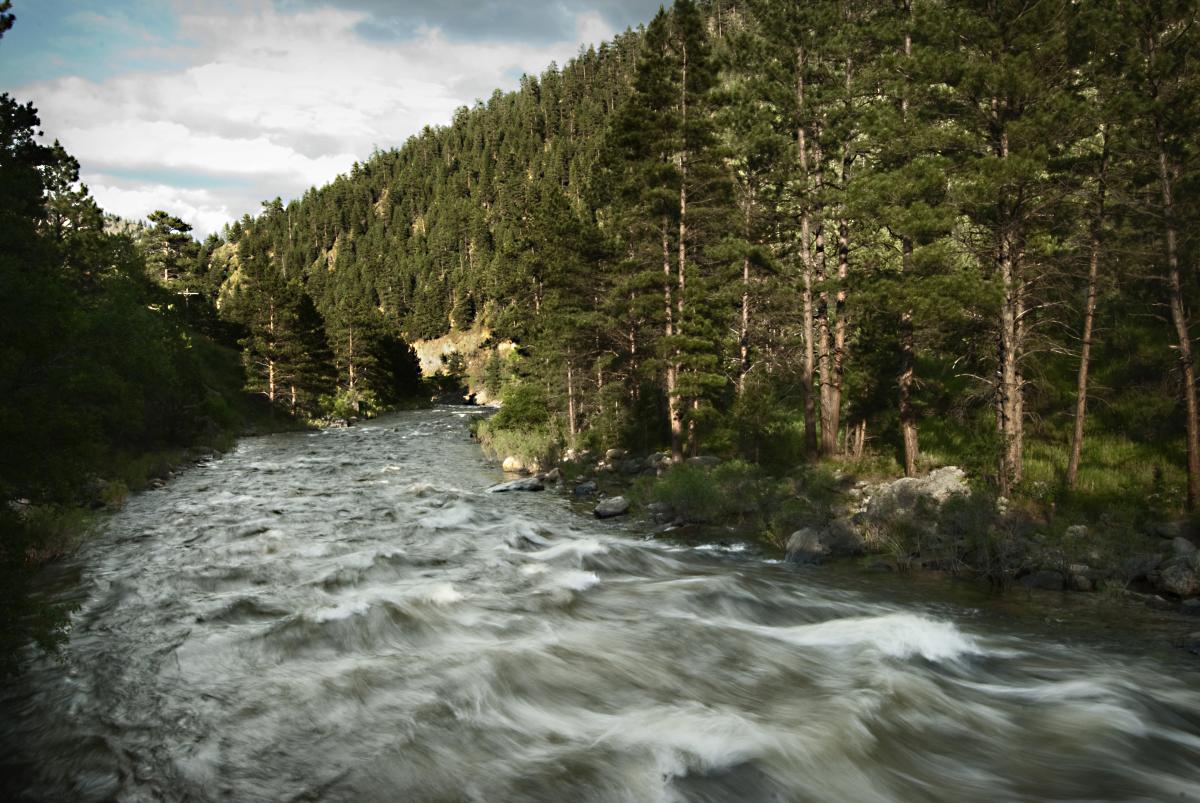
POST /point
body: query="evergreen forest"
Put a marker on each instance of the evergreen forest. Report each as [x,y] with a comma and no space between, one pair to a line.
[914,231]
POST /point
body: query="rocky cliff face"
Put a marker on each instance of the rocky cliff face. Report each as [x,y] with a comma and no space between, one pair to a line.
[474,346]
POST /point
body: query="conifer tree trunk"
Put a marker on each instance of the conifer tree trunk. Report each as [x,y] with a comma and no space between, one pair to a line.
[808,268]
[674,418]
[1179,319]
[908,419]
[744,331]
[683,185]
[833,398]
[271,347]
[1089,314]
[829,424]
[350,358]
[572,423]
[1009,405]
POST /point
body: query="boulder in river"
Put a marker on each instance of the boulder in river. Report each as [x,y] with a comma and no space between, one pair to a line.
[585,488]
[838,538]
[526,484]
[807,546]
[613,506]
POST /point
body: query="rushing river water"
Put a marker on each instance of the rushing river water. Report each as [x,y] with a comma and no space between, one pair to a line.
[347,615]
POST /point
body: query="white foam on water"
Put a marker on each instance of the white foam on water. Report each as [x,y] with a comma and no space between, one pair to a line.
[731,548]
[898,635]
[532,569]
[441,594]
[581,547]
[574,579]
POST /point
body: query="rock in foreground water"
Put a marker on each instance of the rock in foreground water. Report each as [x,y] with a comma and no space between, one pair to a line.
[527,484]
[613,506]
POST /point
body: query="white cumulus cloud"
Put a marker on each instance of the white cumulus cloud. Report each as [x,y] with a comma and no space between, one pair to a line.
[269,104]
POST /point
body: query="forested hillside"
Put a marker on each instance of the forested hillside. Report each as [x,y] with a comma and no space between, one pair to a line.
[782,229]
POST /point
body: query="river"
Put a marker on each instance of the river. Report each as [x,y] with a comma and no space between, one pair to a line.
[348,615]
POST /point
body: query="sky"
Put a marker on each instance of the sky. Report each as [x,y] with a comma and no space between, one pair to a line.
[206,108]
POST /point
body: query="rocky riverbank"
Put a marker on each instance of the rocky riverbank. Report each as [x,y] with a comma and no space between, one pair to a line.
[935,522]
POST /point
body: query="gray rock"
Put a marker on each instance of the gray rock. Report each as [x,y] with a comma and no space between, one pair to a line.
[657,460]
[843,538]
[1179,579]
[807,546]
[585,488]
[660,511]
[1140,566]
[613,455]
[1156,602]
[1081,582]
[512,464]
[903,495]
[1182,547]
[704,461]
[526,484]
[1191,606]
[613,506]
[1045,579]
[1077,531]
[553,475]
[630,467]
[1173,529]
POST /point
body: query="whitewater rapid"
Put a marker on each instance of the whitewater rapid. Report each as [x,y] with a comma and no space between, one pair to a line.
[347,615]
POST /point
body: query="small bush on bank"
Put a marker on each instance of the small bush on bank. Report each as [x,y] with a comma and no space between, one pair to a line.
[537,445]
[733,491]
[523,406]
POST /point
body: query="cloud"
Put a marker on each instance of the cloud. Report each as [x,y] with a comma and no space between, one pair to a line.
[201,208]
[536,21]
[278,100]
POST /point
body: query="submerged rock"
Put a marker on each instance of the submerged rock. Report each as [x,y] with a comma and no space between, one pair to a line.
[526,484]
[613,506]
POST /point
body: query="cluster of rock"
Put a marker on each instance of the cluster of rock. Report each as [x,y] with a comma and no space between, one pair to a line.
[909,518]
[614,466]
[914,501]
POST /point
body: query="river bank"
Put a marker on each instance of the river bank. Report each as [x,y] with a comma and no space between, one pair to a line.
[935,526]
